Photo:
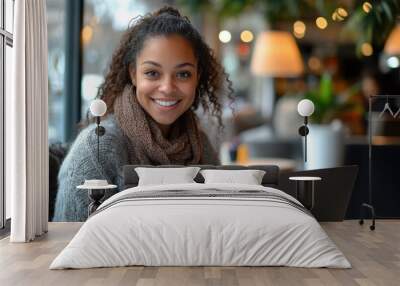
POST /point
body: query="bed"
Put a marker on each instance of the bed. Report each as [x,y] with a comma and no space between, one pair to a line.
[201,224]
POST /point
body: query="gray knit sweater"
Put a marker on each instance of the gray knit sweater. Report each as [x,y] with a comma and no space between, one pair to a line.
[81,164]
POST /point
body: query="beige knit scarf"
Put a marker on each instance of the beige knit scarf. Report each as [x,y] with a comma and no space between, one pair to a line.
[148,145]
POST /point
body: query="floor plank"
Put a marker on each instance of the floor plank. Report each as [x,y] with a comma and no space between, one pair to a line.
[375,257]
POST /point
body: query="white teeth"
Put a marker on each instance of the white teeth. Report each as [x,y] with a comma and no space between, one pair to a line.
[166,103]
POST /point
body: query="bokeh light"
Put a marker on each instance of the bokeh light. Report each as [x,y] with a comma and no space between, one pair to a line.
[367,6]
[366,49]
[225,36]
[246,36]
[299,29]
[321,23]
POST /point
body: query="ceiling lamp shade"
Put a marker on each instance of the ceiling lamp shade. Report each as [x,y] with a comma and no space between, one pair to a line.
[392,45]
[276,55]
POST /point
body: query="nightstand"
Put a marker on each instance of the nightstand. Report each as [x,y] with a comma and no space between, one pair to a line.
[96,194]
[305,188]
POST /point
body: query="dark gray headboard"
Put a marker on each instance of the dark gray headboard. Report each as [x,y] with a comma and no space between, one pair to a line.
[270,179]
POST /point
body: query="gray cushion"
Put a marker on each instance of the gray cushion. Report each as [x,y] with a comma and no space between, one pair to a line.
[270,179]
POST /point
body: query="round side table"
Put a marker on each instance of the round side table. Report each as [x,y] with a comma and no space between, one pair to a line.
[305,188]
[96,194]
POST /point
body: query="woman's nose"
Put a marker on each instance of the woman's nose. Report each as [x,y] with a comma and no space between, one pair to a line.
[167,85]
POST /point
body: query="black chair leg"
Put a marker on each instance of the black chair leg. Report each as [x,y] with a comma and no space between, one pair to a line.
[371,208]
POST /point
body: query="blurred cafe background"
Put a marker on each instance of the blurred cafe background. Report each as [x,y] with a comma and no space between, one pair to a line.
[277,52]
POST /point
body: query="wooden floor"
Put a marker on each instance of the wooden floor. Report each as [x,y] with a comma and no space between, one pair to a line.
[375,256]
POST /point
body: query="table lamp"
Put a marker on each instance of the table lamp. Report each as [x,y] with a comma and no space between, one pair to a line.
[305,108]
[275,55]
[97,187]
[98,108]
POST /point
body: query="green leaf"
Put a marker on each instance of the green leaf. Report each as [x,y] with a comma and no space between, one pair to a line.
[325,89]
[386,9]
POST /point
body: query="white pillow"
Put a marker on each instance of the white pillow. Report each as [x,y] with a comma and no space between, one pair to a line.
[248,177]
[163,176]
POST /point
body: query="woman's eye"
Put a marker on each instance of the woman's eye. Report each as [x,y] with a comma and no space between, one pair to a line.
[184,74]
[151,73]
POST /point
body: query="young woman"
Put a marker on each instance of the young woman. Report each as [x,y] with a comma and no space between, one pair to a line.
[161,72]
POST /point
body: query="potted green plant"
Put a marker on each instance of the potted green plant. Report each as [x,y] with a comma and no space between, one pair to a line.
[327,131]
[328,104]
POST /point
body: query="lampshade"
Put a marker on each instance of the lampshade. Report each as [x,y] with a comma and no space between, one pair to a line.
[305,107]
[98,107]
[392,45]
[276,55]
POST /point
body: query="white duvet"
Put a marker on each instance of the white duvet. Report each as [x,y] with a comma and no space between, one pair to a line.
[200,231]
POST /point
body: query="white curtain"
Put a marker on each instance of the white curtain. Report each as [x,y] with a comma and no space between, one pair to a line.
[26,117]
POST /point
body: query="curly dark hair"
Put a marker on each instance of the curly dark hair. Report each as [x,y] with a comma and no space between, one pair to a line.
[213,81]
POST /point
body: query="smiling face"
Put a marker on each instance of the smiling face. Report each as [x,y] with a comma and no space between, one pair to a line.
[166,78]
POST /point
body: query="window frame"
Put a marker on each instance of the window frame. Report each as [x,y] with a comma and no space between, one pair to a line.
[73,68]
